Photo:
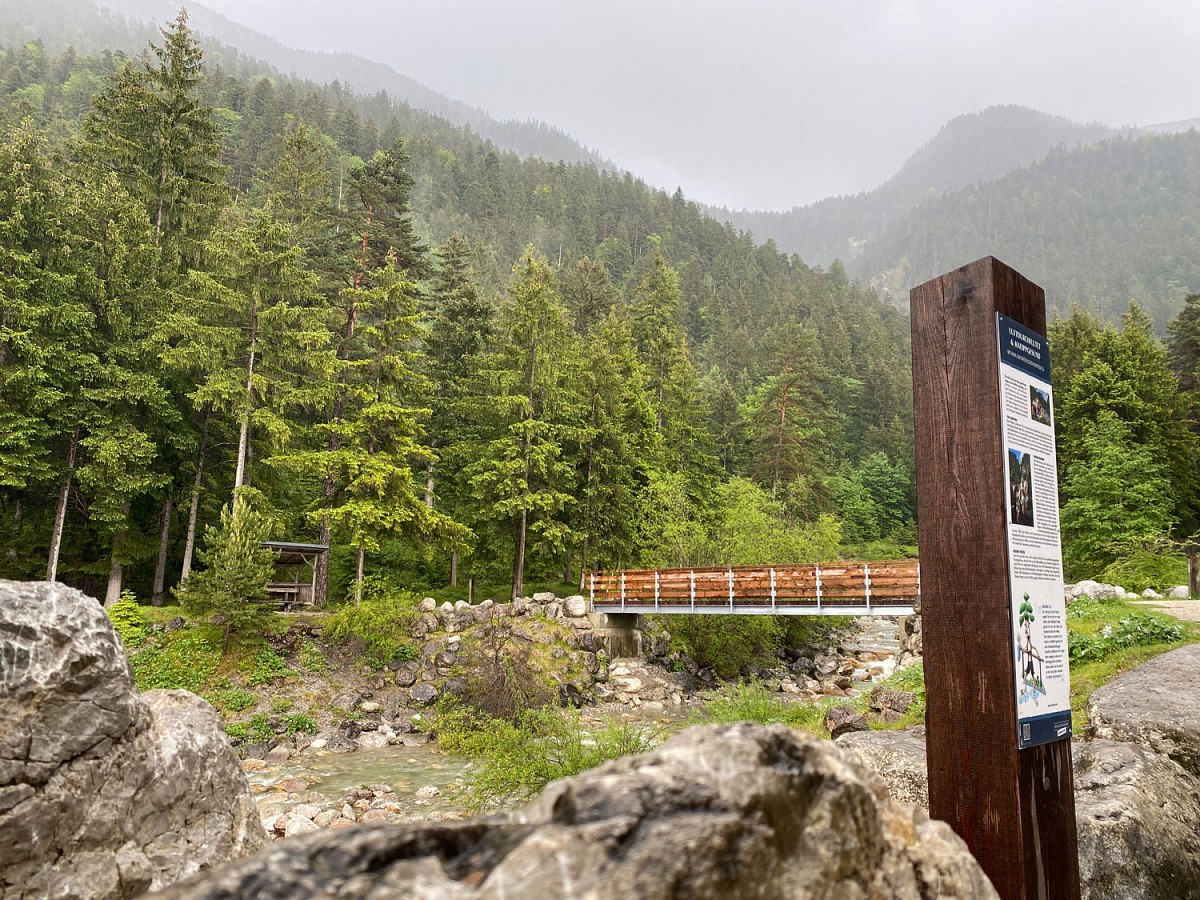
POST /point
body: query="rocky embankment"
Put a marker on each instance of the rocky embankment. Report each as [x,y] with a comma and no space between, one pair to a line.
[104,792]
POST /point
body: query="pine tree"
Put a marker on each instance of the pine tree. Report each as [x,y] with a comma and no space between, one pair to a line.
[791,422]
[150,128]
[235,574]
[1119,496]
[1183,345]
[519,471]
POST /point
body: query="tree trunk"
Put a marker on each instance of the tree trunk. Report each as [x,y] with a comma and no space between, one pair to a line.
[358,577]
[189,546]
[116,569]
[429,488]
[244,437]
[321,568]
[583,562]
[567,568]
[518,585]
[453,568]
[60,509]
[160,566]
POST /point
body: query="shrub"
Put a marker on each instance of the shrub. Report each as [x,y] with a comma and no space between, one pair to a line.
[727,644]
[1146,566]
[129,620]
[501,680]
[382,623]
[517,758]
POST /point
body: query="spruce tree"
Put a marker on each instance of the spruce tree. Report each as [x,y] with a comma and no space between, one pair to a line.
[519,470]
[235,574]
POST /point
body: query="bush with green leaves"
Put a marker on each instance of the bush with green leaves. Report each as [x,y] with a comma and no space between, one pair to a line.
[1147,565]
[727,644]
[516,758]
[381,623]
[1138,630]
[230,697]
[129,620]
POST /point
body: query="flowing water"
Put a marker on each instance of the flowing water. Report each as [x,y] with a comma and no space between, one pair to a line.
[404,769]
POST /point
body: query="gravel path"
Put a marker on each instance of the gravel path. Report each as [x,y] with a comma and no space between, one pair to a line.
[1188,610]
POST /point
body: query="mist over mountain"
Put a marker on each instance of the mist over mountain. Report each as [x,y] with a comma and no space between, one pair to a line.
[975,147]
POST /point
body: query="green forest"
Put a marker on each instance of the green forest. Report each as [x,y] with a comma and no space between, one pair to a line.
[241,306]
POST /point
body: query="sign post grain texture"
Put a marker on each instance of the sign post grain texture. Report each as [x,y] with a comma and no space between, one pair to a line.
[1014,808]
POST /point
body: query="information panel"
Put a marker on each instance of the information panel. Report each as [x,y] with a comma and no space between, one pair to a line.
[1037,603]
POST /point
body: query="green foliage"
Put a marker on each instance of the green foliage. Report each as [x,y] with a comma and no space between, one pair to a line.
[1156,565]
[1118,496]
[265,667]
[302,723]
[516,758]
[382,622]
[129,621]
[1137,630]
[727,644]
[237,570]
[185,659]
[754,703]
[230,697]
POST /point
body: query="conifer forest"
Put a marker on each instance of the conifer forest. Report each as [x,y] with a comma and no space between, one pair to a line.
[240,306]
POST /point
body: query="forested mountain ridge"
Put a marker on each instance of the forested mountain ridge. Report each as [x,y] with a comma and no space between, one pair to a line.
[696,396]
[1097,226]
[126,25]
[969,148]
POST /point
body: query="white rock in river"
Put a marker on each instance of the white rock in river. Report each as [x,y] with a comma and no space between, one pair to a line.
[428,791]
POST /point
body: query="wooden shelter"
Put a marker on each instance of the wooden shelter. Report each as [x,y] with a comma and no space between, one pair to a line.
[295,579]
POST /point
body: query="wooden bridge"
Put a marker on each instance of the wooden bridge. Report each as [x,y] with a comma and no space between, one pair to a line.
[884,588]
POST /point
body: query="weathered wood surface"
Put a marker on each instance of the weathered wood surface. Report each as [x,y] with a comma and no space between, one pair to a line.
[1015,809]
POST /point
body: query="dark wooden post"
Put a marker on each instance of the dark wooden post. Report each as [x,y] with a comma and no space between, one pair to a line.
[1015,809]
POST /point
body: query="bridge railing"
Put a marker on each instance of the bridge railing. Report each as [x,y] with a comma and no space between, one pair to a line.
[880,588]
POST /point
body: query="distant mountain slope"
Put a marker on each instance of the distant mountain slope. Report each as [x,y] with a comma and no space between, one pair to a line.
[976,147]
[1097,225]
[62,23]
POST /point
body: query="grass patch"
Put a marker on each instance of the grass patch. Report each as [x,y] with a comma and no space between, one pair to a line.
[515,759]
[754,703]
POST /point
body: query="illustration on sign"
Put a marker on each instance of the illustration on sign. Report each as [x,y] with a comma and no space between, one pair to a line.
[1038,606]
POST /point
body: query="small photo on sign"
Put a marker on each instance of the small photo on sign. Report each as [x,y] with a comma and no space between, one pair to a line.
[1020,487]
[1039,405]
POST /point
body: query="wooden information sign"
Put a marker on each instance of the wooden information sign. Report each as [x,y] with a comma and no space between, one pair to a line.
[999,760]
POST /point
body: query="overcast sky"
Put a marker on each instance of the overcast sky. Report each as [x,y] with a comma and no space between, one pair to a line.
[767,103]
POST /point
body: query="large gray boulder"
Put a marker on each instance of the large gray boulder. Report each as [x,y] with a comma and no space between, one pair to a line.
[1137,813]
[735,811]
[104,793]
[1157,704]
[1138,816]
[898,757]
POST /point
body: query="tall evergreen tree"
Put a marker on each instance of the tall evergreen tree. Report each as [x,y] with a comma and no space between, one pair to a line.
[520,472]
